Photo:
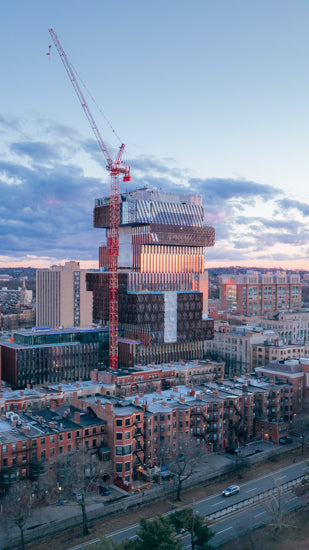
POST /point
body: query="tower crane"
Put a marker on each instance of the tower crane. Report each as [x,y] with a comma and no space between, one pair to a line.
[115,167]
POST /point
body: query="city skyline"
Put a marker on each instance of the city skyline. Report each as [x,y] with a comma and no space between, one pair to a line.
[209,98]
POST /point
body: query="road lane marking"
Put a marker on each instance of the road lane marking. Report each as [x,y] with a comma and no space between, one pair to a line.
[249,490]
[260,514]
[282,477]
[227,529]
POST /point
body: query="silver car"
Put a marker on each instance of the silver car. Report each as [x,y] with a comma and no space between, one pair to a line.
[232,490]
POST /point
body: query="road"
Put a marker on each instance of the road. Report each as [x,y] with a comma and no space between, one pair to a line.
[254,515]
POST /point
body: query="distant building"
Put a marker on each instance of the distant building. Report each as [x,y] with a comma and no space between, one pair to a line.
[253,294]
[163,288]
[233,345]
[264,353]
[41,356]
[61,297]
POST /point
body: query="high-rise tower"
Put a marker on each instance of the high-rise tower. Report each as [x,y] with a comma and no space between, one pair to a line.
[61,297]
[163,287]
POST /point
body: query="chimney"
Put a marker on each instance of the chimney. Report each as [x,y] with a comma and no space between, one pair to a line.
[215,393]
[182,399]
[136,401]
[53,406]
[25,429]
[51,425]
[175,388]
[76,417]
[22,392]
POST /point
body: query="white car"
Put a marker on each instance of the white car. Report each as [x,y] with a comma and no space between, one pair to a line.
[232,490]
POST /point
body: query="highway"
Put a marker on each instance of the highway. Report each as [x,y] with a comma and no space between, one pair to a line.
[255,514]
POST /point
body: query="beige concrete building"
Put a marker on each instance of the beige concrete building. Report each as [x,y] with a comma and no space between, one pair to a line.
[233,344]
[262,354]
[292,327]
[61,297]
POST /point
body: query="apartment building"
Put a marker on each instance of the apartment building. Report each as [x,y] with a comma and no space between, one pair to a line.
[151,378]
[291,327]
[262,354]
[31,442]
[233,345]
[254,294]
[61,297]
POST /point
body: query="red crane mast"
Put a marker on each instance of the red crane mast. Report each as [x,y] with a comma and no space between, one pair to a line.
[115,168]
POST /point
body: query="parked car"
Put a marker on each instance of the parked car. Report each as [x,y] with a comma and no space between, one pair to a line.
[233,450]
[285,440]
[77,495]
[104,490]
[232,490]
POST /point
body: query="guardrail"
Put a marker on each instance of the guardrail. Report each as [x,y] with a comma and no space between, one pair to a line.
[229,510]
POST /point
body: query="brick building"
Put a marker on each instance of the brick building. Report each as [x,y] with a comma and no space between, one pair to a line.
[253,294]
[31,442]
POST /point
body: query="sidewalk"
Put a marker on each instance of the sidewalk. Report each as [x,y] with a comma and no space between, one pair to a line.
[54,519]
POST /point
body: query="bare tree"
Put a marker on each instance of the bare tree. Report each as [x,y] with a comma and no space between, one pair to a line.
[277,509]
[77,473]
[300,427]
[17,506]
[181,460]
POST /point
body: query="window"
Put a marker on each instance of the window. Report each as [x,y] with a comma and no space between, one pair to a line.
[52,439]
[42,440]
[118,422]
[127,466]
[127,435]
[43,454]
[87,432]
[52,452]
[118,467]
[122,450]
[94,431]
[14,447]
[127,422]
[119,436]
[69,435]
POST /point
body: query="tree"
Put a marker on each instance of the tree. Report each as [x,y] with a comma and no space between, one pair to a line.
[277,509]
[194,524]
[77,472]
[156,534]
[17,506]
[300,427]
[181,460]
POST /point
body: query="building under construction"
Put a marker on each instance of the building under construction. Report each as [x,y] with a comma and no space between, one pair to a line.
[162,285]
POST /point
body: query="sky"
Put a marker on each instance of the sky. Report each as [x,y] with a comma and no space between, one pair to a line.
[209,97]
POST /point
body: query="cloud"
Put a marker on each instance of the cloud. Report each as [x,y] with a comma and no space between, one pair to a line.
[37,151]
[47,200]
[289,204]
